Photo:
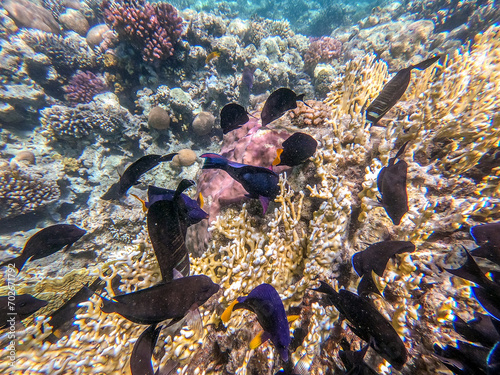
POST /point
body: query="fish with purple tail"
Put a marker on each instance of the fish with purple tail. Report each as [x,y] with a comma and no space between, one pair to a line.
[259,182]
[265,301]
[46,242]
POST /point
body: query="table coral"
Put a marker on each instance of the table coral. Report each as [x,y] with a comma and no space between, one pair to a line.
[155,28]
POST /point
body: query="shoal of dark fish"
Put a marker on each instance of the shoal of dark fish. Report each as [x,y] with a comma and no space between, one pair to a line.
[169,300]
[278,103]
[374,258]
[61,320]
[168,220]
[487,292]
[20,307]
[132,174]
[46,242]
[394,90]
[140,359]
[368,324]
[266,303]
[259,182]
[296,149]
[391,184]
[233,116]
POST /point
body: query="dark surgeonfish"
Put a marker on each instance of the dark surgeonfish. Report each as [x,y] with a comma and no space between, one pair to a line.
[391,184]
[481,329]
[374,258]
[168,221]
[233,116]
[296,149]
[259,182]
[487,236]
[195,212]
[61,320]
[368,324]
[140,359]
[265,301]
[46,242]
[132,174]
[394,90]
[278,103]
[247,77]
[22,306]
[170,300]
[464,359]
[487,292]
[493,360]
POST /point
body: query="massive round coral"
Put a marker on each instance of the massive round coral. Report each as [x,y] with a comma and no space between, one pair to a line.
[154,28]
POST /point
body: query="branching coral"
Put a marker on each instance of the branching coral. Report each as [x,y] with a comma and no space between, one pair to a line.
[153,28]
[83,87]
[24,190]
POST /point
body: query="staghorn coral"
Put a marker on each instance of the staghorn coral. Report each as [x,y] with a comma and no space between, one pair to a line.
[155,28]
[83,86]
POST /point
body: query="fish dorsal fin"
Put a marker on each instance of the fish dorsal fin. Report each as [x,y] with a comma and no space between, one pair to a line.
[277,160]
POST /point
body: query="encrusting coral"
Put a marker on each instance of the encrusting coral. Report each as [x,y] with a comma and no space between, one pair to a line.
[449,115]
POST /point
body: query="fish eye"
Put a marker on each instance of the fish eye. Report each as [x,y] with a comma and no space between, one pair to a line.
[22,304]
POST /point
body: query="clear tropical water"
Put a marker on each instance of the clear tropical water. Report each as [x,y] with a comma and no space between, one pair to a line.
[161,162]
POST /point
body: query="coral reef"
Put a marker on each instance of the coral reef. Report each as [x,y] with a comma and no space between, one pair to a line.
[28,14]
[83,86]
[324,50]
[154,28]
[25,189]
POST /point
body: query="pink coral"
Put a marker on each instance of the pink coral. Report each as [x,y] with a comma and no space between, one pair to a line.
[324,50]
[83,87]
[251,144]
[154,28]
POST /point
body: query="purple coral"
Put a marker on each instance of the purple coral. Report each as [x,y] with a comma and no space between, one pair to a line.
[154,28]
[83,87]
[323,50]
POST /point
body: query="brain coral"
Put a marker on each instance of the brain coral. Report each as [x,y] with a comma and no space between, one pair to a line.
[313,231]
[153,28]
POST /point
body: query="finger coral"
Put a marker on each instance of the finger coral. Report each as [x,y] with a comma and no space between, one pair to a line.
[83,87]
[155,28]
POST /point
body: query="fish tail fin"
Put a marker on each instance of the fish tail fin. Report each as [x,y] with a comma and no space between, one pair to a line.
[17,262]
[426,63]
[226,315]
[264,201]
[276,161]
[214,161]
[183,185]
[469,271]
[201,201]
[144,208]
[258,340]
[167,157]
[108,306]
[401,150]
[292,318]
[367,285]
